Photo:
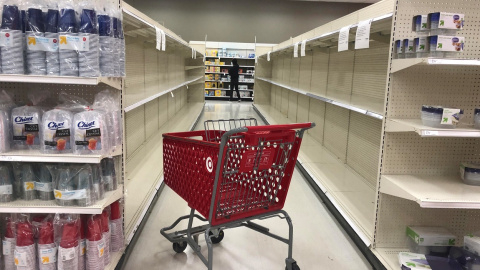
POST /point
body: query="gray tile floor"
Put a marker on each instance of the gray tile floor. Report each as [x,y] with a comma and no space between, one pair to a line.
[319,241]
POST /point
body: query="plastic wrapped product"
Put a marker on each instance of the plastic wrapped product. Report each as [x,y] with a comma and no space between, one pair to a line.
[46,247]
[72,103]
[24,186]
[106,234]
[439,117]
[84,183]
[35,34]
[57,129]
[421,25]
[67,236]
[422,48]
[435,241]
[6,183]
[470,174]
[43,182]
[12,49]
[65,189]
[122,55]
[51,31]
[467,259]
[106,45]
[26,127]
[476,117]
[91,136]
[446,46]
[95,243]
[5,134]
[116,47]
[109,174]
[25,251]
[82,251]
[108,102]
[9,242]
[98,186]
[117,242]
[68,31]
[89,65]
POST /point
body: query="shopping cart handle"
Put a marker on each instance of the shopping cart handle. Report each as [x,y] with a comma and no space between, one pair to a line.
[281,127]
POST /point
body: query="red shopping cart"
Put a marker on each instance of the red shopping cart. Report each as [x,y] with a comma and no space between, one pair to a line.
[233,172]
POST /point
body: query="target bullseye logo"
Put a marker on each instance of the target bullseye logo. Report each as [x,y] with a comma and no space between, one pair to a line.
[209,164]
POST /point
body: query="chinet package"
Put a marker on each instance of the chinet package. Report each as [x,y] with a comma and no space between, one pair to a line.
[107,102]
[90,133]
[56,135]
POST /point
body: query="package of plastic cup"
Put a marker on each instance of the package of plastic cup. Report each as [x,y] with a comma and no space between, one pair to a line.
[46,247]
[106,234]
[6,183]
[108,102]
[91,136]
[68,37]
[26,127]
[88,60]
[72,103]
[98,185]
[35,39]
[57,132]
[105,31]
[95,243]
[43,182]
[109,174]
[13,42]
[25,250]
[67,236]
[83,179]
[82,251]
[9,242]
[24,186]
[51,32]
[5,133]
[117,242]
[116,47]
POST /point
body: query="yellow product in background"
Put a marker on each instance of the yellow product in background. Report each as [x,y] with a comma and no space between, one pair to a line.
[217,77]
[217,61]
[208,63]
[206,93]
[217,69]
[214,85]
[208,85]
[218,93]
[210,77]
[222,63]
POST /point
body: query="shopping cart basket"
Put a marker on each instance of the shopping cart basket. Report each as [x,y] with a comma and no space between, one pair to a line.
[231,178]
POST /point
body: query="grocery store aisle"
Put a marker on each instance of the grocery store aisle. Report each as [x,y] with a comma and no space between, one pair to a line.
[319,241]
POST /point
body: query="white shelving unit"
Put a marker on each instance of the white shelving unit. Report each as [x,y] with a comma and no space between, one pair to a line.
[385,169]
[163,93]
[37,156]
[115,83]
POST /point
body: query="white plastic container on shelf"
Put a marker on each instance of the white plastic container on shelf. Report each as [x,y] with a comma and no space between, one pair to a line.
[433,116]
[470,174]
[476,117]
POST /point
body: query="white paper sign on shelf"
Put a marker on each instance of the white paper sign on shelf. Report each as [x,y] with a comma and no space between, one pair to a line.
[295,49]
[303,48]
[159,38]
[256,59]
[164,40]
[343,37]
[268,56]
[362,39]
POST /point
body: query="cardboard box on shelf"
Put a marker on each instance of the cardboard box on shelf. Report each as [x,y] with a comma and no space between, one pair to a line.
[214,85]
[222,63]
[217,77]
[220,85]
[218,93]
[217,61]
[208,85]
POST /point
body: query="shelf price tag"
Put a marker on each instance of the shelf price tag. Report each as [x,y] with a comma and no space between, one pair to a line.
[362,39]
[343,38]
[303,48]
[159,38]
[295,49]
[268,56]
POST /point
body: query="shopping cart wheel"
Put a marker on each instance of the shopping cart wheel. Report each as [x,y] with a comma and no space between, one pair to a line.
[294,266]
[218,239]
[180,247]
